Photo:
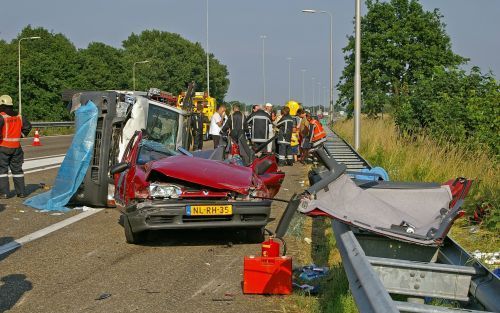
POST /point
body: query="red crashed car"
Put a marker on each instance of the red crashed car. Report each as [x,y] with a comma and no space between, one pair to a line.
[161,188]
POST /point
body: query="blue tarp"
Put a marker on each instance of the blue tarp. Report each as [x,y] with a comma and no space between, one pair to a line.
[75,164]
[376,170]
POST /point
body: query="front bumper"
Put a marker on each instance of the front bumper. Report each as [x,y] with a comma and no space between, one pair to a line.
[171,214]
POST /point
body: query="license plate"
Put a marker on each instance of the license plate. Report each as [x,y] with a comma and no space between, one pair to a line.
[209,210]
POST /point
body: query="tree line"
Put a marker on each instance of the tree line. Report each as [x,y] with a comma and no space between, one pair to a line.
[53,64]
[410,71]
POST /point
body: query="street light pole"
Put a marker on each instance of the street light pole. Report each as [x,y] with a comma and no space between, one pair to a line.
[289,78]
[303,89]
[357,76]
[19,66]
[133,70]
[263,37]
[208,60]
[313,91]
[331,57]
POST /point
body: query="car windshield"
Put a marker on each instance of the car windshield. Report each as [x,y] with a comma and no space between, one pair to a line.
[152,151]
[163,125]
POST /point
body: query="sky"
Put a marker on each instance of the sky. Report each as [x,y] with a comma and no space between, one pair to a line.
[235,29]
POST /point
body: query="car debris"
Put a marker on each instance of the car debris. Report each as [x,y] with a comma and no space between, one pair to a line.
[103,296]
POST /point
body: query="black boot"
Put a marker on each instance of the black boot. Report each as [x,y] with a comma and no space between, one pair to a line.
[19,185]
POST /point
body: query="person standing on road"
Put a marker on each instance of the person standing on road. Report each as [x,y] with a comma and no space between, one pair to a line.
[269,110]
[285,128]
[197,127]
[236,125]
[13,126]
[216,124]
[259,122]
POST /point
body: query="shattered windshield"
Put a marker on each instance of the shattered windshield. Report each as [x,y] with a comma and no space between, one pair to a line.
[162,125]
[152,151]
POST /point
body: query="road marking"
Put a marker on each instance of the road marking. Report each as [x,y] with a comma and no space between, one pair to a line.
[45,157]
[45,231]
[42,162]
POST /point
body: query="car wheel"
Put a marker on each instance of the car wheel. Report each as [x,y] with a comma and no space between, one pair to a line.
[255,235]
[131,236]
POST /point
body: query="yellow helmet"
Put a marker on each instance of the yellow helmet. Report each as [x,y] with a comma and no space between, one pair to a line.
[293,106]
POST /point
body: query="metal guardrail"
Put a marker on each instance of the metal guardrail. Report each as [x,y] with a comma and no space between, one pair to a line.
[52,124]
[378,266]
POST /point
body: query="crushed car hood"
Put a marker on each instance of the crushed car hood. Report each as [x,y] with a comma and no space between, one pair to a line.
[209,173]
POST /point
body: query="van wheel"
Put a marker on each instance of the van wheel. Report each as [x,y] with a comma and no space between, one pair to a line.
[255,235]
[131,236]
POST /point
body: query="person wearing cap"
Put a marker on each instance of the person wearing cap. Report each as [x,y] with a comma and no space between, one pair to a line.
[12,126]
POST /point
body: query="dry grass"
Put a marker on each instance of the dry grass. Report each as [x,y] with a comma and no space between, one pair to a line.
[422,159]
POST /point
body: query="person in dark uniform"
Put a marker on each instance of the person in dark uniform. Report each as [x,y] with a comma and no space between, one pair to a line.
[197,127]
[236,126]
[12,126]
[259,122]
[285,128]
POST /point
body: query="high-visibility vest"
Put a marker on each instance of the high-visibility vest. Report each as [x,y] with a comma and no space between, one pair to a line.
[11,131]
[318,131]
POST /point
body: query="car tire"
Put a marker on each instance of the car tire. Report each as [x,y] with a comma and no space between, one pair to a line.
[255,235]
[131,236]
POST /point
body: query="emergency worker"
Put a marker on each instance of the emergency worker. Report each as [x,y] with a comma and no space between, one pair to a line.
[237,125]
[317,134]
[259,122]
[269,110]
[285,128]
[197,127]
[13,126]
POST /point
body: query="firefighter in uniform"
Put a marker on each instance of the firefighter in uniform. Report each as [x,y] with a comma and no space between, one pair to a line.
[197,127]
[12,126]
[285,128]
[237,125]
[259,122]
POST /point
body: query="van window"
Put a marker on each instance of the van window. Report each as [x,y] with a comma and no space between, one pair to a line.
[162,125]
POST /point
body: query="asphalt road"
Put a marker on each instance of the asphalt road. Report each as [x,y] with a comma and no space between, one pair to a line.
[69,270]
[51,145]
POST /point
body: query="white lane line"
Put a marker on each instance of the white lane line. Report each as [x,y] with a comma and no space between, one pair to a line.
[45,231]
[42,162]
[45,157]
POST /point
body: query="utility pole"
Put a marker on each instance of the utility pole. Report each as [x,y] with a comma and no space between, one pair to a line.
[313,91]
[357,76]
[133,71]
[289,78]
[263,37]
[303,89]
[208,60]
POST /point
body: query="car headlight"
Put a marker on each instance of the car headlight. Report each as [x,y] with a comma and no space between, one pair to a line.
[164,191]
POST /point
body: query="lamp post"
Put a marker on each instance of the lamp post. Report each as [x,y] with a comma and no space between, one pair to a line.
[208,60]
[263,37]
[331,56]
[133,70]
[357,76]
[19,66]
[303,89]
[313,91]
[289,78]
[319,97]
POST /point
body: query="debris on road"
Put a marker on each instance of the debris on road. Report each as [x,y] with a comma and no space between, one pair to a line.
[308,240]
[312,272]
[57,214]
[103,296]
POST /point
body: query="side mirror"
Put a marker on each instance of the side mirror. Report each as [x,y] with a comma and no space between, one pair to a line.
[118,168]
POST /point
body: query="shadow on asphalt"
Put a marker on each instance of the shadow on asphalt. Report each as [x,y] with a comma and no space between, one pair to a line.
[28,189]
[3,241]
[12,289]
[194,237]
[2,207]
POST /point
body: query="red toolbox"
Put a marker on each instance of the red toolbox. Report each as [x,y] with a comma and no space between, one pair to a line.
[267,275]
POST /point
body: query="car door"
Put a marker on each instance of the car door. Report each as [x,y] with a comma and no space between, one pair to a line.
[124,181]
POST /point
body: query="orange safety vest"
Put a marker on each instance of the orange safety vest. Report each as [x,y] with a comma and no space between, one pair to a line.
[11,131]
[318,131]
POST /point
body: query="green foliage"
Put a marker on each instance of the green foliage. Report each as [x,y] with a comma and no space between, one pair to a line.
[53,64]
[400,43]
[408,68]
